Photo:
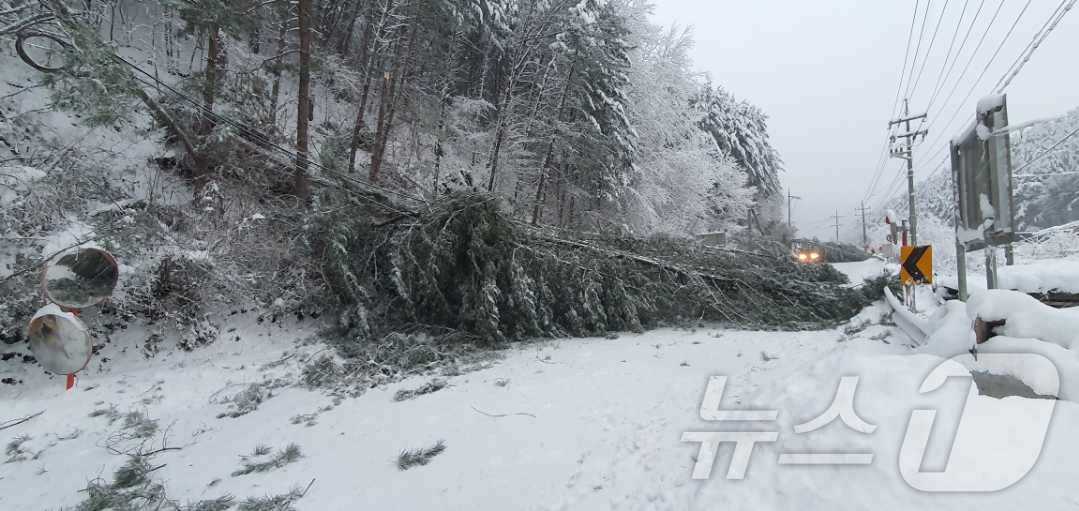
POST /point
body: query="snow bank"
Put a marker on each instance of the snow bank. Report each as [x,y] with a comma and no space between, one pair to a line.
[861,271]
[1026,331]
[1041,276]
[1025,316]
[971,436]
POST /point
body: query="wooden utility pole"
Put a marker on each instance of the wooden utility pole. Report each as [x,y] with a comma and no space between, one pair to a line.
[836,217]
[865,233]
[789,199]
[906,152]
[303,113]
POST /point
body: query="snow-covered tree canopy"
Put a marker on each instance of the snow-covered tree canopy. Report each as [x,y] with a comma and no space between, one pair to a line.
[740,129]
[580,113]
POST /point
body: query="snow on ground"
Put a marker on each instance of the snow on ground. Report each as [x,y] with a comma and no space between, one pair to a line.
[1031,276]
[561,425]
[1042,276]
[556,425]
[599,426]
[861,271]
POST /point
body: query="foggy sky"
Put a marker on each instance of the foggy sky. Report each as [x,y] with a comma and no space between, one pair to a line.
[826,73]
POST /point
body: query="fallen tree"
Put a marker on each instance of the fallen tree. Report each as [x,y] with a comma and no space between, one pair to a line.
[464,266]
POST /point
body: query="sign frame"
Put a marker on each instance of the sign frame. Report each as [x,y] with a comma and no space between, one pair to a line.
[982,177]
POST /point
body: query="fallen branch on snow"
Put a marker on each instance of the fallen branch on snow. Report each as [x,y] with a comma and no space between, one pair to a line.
[15,422]
[501,415]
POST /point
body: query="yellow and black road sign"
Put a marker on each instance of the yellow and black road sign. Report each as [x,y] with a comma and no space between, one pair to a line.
[916,265]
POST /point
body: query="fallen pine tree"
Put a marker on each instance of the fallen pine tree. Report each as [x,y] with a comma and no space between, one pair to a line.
[464,267]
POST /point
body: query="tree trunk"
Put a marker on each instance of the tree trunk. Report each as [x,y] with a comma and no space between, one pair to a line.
[346,38]
[500,133]
[209,84]
[537,208]
[171,52]
[387,107]
[198,172]
[279,62]
[301,184]
[439,134]
[368,58]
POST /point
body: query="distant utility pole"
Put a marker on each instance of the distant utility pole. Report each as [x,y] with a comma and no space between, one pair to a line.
[906,152]
[789,199]
[865,234]
[836,217]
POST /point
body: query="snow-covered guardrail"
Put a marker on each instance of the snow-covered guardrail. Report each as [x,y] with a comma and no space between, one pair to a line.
[916,328]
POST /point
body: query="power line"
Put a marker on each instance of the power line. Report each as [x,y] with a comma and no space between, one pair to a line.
[918,47]
[893,187]
[928,51]
[883,159]
[974,53]
[1046,152]
[881,165]
[974,86]
[1039,38]
[906,58]
[943,77]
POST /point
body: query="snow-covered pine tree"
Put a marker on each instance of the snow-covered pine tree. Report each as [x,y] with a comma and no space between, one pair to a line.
[740,129]
[588,168]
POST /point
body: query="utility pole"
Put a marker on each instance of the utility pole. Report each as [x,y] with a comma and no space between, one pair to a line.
[865,233]
[836,217]
[906,152]
[789,199]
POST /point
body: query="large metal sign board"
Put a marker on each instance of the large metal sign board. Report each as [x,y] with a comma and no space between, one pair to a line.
[916,265]
[982,173]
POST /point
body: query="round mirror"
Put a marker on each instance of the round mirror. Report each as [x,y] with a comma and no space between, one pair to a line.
[43,51]
[81,278]
[59,340]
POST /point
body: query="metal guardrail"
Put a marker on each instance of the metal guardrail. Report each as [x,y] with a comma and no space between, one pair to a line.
[916,328]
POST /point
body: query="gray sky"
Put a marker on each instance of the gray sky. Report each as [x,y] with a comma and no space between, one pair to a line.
[826,73]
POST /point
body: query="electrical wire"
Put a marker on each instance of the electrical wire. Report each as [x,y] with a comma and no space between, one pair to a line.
[932,40]
[974,85]
[883,159]
[918,47]
[1039,38]
[906,59]
[1054,19]
[1046,152]
[974,53]
[942,78]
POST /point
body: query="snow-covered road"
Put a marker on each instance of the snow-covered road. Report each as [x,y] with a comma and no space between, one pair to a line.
[599,425]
